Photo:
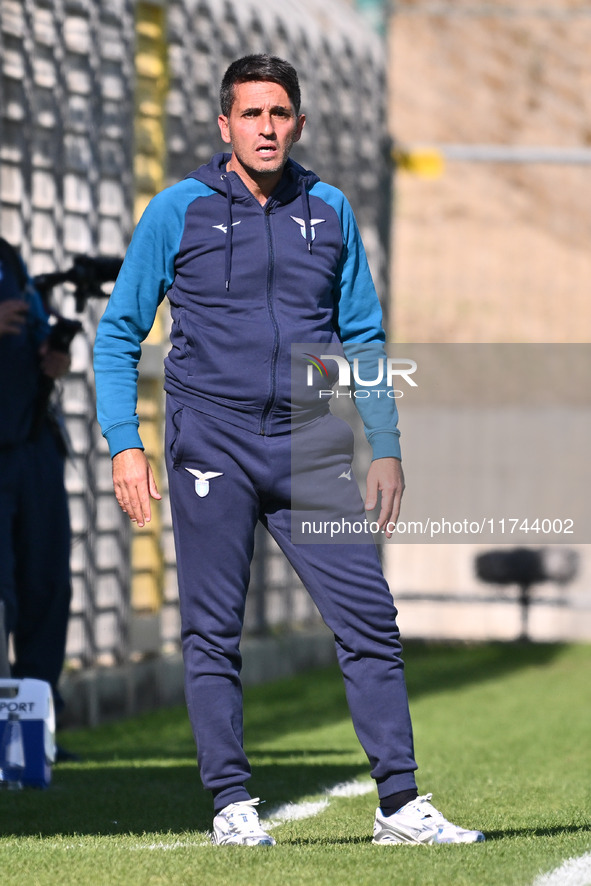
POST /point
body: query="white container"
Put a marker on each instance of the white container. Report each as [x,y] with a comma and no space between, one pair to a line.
[33,702]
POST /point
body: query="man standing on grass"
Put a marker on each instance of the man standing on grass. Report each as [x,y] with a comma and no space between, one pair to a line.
[254,253]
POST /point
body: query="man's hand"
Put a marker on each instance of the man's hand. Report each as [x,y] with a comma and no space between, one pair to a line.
[134,484]
[385,475]
[54,364]
[13,316]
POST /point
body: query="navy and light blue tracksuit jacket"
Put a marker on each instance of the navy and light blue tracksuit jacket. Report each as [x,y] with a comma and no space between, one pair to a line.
[235,316]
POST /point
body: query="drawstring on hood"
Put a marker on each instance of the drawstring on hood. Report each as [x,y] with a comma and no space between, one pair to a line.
[306,215]
[229,231]
[296,180]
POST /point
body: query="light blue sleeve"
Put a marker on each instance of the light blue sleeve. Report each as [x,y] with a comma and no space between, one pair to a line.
[144,279]
[359,325]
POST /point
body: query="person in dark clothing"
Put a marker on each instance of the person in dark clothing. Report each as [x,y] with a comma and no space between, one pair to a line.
[35,584]
[256,254]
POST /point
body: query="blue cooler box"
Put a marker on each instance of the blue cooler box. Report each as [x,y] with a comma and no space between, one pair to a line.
[33,702]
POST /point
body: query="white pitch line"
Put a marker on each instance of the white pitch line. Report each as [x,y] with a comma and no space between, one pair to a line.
[298,811]
[572,872]
[293,812]
[351,789]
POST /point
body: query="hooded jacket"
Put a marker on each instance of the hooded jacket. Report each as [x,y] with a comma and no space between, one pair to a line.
[244,282]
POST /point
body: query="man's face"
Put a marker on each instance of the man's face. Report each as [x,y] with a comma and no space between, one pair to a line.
[262,127]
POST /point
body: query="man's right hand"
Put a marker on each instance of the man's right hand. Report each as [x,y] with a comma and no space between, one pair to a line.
[134,484]
[13,315]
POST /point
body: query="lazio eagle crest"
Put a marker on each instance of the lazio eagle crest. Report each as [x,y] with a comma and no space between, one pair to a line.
[202,480]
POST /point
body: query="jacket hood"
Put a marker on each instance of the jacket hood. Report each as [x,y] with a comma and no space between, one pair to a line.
[214,175]
[295,181]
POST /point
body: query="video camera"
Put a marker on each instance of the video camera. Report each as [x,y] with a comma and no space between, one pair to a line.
[87,274]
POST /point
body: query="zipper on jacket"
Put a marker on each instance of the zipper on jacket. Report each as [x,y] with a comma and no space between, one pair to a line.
[270,278]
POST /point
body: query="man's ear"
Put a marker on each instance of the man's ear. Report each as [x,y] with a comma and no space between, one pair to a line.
[299,126]
[224,129]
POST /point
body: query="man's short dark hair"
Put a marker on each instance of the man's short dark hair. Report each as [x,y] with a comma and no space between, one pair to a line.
[257,68]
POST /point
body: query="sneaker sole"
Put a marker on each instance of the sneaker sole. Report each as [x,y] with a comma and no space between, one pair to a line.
[263,842]
[408,841]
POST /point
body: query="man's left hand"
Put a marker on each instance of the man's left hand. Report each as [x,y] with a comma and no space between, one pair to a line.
[385,476]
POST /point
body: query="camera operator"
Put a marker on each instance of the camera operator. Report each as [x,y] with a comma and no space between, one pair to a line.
[35,582]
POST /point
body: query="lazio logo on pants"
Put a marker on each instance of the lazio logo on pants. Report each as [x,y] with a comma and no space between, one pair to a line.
[202,480]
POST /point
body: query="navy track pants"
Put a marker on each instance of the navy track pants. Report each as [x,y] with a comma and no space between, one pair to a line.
[214,521]
[35,557]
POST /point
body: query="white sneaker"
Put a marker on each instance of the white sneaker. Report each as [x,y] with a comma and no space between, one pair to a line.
[238,825]
[419,822]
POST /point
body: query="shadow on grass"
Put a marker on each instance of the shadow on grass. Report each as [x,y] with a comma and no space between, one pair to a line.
[491,836]
[140,776]
[310,700]
[437,667]
[556,831]
[322,841]
[148,799]
[318,698]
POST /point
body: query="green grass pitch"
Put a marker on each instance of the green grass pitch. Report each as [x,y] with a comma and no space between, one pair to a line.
[502,738]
